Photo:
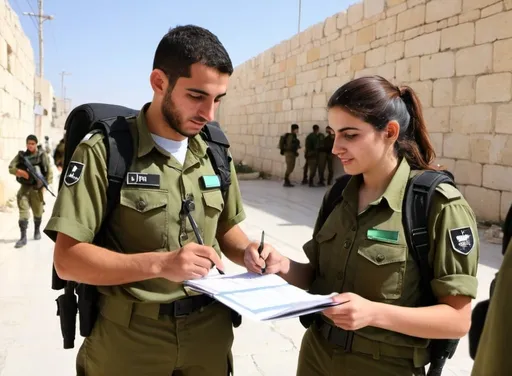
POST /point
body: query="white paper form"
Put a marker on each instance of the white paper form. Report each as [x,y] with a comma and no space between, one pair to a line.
[261,297]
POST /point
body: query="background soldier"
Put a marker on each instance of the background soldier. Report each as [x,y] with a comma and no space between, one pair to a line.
[312,153]
[58,155]
[328,144]
[29,195]
[291,147]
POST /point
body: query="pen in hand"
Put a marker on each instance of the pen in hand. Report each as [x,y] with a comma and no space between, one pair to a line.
[260,248]
[195,229]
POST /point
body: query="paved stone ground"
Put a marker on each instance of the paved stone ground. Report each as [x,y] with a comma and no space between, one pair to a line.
[30,339]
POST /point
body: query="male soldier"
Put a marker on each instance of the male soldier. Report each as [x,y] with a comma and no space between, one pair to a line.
[29,196]
[58,155]
[149,324]
[291,146]
[312,153]
[327,147]
[493,355]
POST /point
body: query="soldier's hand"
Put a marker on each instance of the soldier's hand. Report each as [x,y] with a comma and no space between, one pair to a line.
[190,262]
[354,313]
[268,262]
[22,174]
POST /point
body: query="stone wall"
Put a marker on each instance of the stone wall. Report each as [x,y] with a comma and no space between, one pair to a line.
[457,55]
[16,94]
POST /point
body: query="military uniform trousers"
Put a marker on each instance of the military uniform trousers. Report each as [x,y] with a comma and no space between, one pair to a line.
[30,198]
[290,158]
[322,163]
[137,339]
[321,354]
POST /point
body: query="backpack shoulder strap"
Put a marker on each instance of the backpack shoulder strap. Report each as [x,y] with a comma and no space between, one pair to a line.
[507,230]
[218,146]
[119,144]
[417,202]
[418,198]
[333,198]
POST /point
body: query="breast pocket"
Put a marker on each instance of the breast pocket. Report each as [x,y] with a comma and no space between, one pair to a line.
[380,270]
[328,250]
[145,213]
[213,207]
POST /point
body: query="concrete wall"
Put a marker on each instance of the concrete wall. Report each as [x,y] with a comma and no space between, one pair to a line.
[457,55]
[16,94]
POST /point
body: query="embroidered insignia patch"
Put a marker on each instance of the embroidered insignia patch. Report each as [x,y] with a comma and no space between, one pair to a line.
[73,173]
[462,239]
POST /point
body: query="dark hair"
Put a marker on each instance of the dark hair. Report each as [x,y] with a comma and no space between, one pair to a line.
[316,127]
[294,127]
[376,101]
[31,137]
[183,46]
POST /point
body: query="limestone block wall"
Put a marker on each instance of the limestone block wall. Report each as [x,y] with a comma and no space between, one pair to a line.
[457,55]
[16,94]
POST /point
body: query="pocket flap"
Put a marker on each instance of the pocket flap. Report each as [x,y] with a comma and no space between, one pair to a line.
[325,234]
[383,253]
[143,200]
[214,199]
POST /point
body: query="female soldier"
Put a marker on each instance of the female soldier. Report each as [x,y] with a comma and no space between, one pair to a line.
[381,328]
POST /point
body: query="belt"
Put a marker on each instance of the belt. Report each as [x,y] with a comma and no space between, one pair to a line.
[186,306]
[335,336]
[351,342]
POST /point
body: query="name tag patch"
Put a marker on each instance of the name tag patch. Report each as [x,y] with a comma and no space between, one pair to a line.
[73,173]
[142,179]
[210,181]
[382,235]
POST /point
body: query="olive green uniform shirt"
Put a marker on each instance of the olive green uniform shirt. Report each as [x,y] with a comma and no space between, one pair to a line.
[493,354]
[347,257]
[38,157]
[147,218]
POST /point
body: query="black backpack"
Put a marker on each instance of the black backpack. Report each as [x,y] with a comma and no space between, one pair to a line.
[479,314]
[111,120]
[417,202]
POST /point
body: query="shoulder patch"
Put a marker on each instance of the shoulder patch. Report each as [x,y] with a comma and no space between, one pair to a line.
[73,173]
[462,239]
[448,191]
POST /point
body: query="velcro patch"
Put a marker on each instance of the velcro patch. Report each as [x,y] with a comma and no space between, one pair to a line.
[462,239]
[73,173]
[143,179]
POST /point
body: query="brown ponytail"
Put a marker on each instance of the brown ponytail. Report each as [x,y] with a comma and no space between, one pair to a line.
[376,101]
[415,143]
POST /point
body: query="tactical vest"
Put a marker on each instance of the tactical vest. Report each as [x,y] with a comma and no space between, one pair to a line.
[37,161]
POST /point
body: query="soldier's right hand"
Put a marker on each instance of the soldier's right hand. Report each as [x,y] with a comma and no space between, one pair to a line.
[190,262]
[22,174]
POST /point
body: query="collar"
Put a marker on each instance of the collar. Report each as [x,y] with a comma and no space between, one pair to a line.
[393,194]
[146,143]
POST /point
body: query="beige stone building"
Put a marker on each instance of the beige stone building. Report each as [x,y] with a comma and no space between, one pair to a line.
[17,80]
[457,55]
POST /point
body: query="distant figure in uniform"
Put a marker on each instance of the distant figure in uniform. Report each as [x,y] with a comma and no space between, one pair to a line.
[149,323]
[361,251]
[312,153]
[58,155]
[47,145]
[323,153]
[493,353]
[327,147]
[291,147]
[31,194]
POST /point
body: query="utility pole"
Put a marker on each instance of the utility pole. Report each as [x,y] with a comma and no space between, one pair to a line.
[300,11]
[41,17]
[63,90]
